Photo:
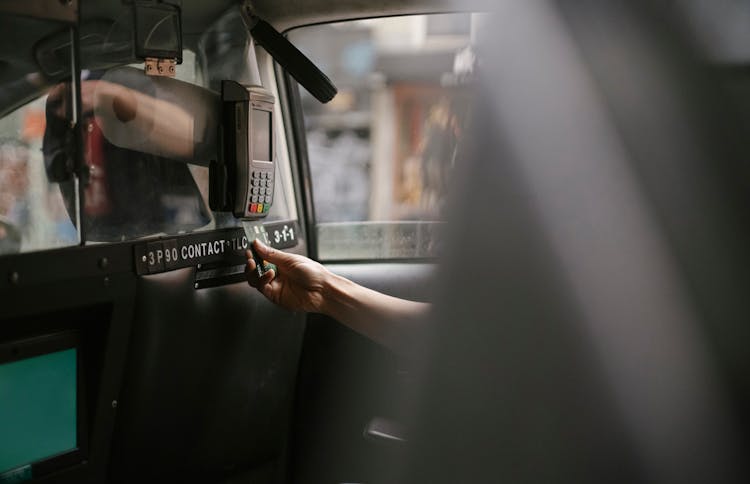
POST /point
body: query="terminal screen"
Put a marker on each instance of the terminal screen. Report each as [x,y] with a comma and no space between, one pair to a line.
[38,406]
[261,135]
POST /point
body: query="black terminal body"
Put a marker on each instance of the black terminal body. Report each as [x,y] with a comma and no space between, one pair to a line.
[242,181]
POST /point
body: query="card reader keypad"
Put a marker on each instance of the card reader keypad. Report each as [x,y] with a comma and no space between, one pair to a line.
[261,192]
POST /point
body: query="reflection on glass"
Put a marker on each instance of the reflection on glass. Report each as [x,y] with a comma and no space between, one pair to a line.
[143,138]
[136,140]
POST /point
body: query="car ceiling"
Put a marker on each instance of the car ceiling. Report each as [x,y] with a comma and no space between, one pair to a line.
[197,15]
[17,56]
[286,14]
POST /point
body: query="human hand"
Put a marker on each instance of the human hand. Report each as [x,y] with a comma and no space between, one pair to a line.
[299,284]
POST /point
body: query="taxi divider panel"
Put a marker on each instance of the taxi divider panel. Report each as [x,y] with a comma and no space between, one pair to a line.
[88,290]
[209,386]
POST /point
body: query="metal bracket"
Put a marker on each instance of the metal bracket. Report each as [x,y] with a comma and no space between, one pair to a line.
[160,67]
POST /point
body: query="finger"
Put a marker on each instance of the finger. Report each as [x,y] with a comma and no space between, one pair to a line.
[267,291]
[252,280]
[252,276]
[251,264]
[271,289]
[268,276]
[272,255]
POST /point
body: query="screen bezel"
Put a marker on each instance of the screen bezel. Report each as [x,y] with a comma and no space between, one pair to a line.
[21,349]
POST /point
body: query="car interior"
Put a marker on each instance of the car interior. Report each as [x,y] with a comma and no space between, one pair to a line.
[566,183]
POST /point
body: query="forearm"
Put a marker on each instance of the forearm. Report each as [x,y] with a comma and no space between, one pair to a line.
[393,322]
[134,120]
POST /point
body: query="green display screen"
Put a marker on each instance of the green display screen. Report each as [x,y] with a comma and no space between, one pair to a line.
[37,408]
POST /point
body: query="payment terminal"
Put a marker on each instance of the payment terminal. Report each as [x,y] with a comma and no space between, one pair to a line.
[242,180]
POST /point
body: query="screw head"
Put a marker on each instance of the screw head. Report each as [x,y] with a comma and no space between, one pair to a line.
[114,403]
[103,263]
[143,258]
[14,278]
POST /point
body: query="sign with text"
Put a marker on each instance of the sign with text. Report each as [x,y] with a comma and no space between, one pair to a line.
[223,246]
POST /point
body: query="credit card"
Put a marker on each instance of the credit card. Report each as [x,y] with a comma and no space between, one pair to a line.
[255,230]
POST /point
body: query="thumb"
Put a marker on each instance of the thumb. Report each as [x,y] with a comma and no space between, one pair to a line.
[271,255]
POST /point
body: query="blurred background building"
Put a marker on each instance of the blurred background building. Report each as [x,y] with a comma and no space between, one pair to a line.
[386,144]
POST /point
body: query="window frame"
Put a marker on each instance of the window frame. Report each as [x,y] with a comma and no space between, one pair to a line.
[299,156]
[297,143]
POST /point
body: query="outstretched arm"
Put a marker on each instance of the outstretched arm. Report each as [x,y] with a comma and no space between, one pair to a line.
[305,285]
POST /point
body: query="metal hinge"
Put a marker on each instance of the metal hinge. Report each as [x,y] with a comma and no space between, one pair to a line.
[160,67]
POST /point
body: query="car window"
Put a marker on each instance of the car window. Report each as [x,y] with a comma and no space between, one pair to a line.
[382,152]
[33,212]
[33,215]
[159,135]
[139,134]
[162,147]
[148,141]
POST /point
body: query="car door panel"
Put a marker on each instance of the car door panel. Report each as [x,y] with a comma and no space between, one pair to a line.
[346,380]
